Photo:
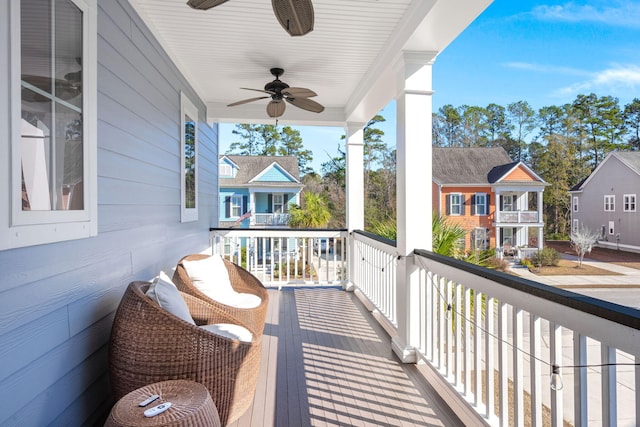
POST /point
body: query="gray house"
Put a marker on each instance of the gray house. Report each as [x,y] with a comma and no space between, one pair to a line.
[606,202]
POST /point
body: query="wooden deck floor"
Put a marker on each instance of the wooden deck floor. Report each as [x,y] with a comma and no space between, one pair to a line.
[327,362]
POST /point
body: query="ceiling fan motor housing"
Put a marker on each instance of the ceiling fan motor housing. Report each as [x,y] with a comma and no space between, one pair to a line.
[276,86]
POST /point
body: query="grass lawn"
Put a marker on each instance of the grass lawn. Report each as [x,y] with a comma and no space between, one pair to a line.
[570,268]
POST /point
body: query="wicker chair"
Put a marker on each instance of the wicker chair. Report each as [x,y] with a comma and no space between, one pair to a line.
[242,281]
[148,344]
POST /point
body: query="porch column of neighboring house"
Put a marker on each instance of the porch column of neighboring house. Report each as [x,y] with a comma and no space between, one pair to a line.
[355,187]
[497,221]
[540,221]
[252,207]
[413,193]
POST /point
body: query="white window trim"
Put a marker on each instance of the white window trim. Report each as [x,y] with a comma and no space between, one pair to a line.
[609,199]
[236,200]
[187,108]
[576,225]
[451,204]
[225,169]
[475,207]
[576,205]
[20,228]
[626,201]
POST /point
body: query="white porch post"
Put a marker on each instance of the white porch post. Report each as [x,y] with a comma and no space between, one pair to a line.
[540,220]
[414,198]
[252,207]
[355,187]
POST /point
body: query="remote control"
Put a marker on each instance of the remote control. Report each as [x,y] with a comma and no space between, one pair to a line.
[149,400]
[158,409]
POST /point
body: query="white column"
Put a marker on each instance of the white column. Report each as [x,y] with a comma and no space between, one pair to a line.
[355,189]
[355,176]
[414,190]
[252,207]
[496,219]
[540,220]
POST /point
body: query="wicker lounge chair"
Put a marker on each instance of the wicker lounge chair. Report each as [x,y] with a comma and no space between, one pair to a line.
[242,281]
[148,344]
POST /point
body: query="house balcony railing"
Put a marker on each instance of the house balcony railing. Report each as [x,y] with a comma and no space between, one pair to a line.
[492,340]
[518,217]
[270,219]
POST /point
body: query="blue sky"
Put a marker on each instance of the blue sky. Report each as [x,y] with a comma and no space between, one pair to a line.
[542,52]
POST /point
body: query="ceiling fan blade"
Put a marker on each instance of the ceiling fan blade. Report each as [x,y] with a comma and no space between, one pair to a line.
[276,108]
[205,4]
[259,90]
[244,101]
[295,16]
[306,104]
[299,92]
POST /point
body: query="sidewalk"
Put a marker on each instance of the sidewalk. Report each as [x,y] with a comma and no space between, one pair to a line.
[626,278]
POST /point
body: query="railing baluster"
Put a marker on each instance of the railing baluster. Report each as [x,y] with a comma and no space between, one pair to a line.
[555,341]
[536,370]
[448,328]
[580,380]
[636,372]
[489,357]
[457,310]
[518,374]
[442,308]
[467,342]
[609,392]
[503,362]
[477,345]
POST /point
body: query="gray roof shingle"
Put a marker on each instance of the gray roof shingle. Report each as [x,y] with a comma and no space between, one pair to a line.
[250,166]
[470,165]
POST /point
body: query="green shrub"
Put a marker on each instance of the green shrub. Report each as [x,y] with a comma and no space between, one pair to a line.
[526,262]
[546,257]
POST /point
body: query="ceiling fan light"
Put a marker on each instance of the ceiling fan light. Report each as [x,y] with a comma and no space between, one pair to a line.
[205,4]
[276,108]
[295,16]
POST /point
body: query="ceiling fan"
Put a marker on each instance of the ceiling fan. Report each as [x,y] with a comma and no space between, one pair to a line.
[279,92]
[295,16]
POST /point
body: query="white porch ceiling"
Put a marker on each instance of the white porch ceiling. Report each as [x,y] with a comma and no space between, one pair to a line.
[347,59]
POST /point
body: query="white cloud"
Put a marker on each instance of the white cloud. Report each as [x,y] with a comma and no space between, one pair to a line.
[618,79]
[624,13]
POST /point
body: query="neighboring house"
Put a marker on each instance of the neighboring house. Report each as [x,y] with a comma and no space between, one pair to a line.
[606,202]
[496,200]
[256,191]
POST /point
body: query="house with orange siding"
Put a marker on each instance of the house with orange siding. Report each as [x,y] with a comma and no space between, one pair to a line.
[496,200]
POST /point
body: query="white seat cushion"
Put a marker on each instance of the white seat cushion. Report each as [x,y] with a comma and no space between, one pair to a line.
[167,296]
[211,277]
[231,331]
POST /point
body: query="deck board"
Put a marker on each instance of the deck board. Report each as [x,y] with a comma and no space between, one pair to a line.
[327,362]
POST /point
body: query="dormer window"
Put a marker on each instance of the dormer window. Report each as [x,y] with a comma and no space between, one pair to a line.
[225,169]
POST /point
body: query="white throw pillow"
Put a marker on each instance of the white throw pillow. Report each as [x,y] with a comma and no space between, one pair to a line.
[210,276]
[167,296]
[231,331]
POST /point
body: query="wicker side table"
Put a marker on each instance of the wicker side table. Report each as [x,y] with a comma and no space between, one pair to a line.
[191,406]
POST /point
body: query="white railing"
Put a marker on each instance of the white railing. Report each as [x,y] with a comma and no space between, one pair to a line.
[374,272]
[286,257]
[496,339]
[270,219]
[518,217]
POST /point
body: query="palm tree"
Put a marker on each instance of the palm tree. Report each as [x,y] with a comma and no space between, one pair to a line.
[314,214]
[446,236]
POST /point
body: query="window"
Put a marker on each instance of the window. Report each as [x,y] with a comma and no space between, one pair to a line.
[278,203]
[189,167]
[225,169]
[609,203]
[576,224]
[236,206]
[629,203]
[508,202]
[575,203]
[480,238]
[455,206]
[480,204]
[53,178]
[612,227]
